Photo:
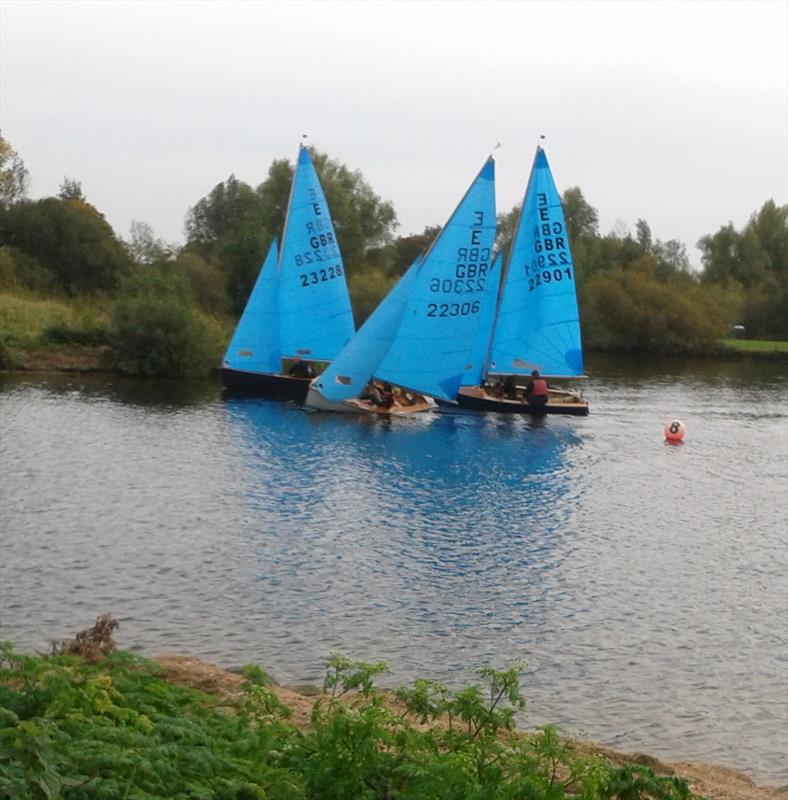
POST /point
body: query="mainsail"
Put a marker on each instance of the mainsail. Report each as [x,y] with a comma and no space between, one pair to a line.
[538,324]
[431,350]
[315,317]
[255,343]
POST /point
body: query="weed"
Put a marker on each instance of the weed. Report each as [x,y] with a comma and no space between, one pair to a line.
[74,726]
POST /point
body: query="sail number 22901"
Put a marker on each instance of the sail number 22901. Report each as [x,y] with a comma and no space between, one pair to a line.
[548,276]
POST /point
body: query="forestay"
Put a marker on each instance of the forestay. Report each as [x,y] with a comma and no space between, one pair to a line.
[538,325]
[431,351]
[315,317]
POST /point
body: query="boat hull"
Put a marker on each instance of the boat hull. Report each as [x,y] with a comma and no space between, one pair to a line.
[262,384]
[317,402]
[560,402]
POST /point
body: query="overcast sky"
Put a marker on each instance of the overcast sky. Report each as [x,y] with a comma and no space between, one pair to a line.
[672,112]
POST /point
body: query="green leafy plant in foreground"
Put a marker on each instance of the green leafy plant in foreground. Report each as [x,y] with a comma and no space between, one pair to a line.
[74,730]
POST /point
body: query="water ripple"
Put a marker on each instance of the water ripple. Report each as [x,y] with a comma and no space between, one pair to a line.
[644,584]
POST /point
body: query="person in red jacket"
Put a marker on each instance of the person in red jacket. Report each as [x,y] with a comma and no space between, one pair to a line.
[536,390]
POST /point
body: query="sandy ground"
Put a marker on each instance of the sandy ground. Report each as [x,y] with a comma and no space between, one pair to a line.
[711,781]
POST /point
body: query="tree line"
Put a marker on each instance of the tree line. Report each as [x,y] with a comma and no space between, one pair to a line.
[635,293]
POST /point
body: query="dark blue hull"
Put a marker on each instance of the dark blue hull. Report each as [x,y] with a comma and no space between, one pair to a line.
[261,384]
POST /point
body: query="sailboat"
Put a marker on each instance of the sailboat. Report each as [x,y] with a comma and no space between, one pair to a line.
[298,315]
[420,339]
[536,325]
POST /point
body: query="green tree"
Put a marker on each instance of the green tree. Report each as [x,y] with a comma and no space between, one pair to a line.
[145,248]
[227,206]
[18,269]
[361,219]
[367,287]
[225,228]
[753,255]
[234,225]
[643,234]
[756,259]
[14,177]
[582,220]
[507,227]
[156,330]
[635,308]
[71,239]
[71,189]
[206,281]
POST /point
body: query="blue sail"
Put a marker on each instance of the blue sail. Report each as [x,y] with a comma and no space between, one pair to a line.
[351,370]
[432,348]
[481,346]
[538,324]
[255,343]
[315,317]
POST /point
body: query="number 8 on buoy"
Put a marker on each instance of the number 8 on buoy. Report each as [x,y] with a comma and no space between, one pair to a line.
[674,431]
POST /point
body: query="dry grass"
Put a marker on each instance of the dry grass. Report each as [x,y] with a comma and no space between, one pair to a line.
[93,643]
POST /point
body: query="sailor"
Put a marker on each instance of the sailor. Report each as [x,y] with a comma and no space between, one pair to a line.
[509,388]
[300,369]
[536,390]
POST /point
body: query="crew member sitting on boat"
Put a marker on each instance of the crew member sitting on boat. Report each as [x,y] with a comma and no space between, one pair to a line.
[378,394]
[509,388]
[536,390]
[300,369]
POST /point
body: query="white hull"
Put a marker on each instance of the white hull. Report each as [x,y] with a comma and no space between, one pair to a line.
[317,402]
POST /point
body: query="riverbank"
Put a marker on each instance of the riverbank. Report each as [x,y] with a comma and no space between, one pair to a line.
[711,781]
[85,359]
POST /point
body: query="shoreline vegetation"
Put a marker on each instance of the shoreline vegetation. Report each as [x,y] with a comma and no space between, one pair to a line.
[50,334]
[169,309]
[88,719]
[102,359]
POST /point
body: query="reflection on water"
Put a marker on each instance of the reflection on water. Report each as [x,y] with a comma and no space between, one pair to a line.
[644,585]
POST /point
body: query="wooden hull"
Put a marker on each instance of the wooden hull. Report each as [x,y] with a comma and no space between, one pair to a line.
[261,384]
[559,402]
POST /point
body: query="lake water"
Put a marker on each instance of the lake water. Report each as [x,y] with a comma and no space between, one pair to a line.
[645,585]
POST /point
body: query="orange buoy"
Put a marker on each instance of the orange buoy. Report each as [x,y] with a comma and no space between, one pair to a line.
[674,431]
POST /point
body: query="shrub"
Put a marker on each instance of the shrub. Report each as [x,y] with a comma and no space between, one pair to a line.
[68,334]
[6,359]
[20,270]
[82,730]
[156,330]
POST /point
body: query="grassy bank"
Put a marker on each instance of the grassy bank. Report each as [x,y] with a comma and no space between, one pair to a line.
[756,347]
[75,334]
[30,322]
[113,727]
[91,722]
[70,334]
